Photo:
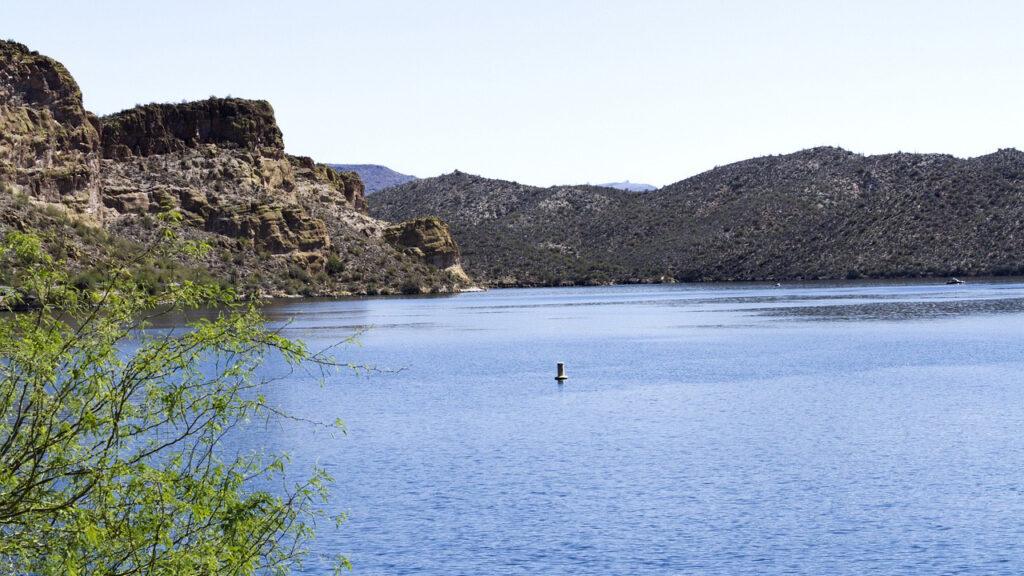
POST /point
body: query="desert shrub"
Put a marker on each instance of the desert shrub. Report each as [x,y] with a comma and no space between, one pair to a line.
[335,265]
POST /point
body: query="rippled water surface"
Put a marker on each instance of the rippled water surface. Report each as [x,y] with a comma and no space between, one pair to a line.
[705,429]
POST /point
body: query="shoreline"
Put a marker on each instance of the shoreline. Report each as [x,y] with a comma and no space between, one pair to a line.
[939,279]
[478,288]
[818,283]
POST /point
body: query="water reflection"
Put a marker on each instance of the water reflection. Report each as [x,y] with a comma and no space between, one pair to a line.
[894,311]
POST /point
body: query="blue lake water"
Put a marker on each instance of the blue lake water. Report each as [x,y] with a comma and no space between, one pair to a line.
[851,428]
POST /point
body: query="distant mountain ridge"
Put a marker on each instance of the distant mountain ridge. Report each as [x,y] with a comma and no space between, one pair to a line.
[822,213]
[374,176]
[629,186]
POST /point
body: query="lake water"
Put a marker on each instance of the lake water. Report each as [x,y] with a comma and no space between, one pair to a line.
[850,428]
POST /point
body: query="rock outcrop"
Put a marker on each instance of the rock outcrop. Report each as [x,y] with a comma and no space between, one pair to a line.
[49,144]
[276,223]
[251,195]
[337,183]
[429,239]
[164,128]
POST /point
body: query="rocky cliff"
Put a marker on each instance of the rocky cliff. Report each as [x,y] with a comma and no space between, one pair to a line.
[49,144]
[165,128]
[276,223]
[428,238]
[823,213]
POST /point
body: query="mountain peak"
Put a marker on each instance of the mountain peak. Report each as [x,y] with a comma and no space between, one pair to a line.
[629,186]
[375,177]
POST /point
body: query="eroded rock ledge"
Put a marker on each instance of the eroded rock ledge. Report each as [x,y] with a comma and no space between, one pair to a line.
[164,128]
[429,239]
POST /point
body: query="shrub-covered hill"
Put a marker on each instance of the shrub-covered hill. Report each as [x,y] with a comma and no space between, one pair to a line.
[823,213]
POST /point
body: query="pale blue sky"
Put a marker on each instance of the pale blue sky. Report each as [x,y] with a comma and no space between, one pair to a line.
[550,91]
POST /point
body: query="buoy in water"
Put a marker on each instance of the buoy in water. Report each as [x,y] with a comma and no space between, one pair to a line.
[561,372]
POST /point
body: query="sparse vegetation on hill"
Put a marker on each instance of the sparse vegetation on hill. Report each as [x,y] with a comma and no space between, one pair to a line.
[823,213]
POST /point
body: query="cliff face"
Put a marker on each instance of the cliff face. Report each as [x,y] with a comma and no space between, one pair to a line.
[277,223]
[247,195]
[429,239]
[49,145]
[823,213]
[164,128]
[345,183]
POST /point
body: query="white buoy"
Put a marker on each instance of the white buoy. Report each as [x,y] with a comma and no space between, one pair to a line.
[561,372]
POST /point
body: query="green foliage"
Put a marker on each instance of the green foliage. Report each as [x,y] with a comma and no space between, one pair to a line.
[335,265]
[109,428]
[410,287]
[299,273]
